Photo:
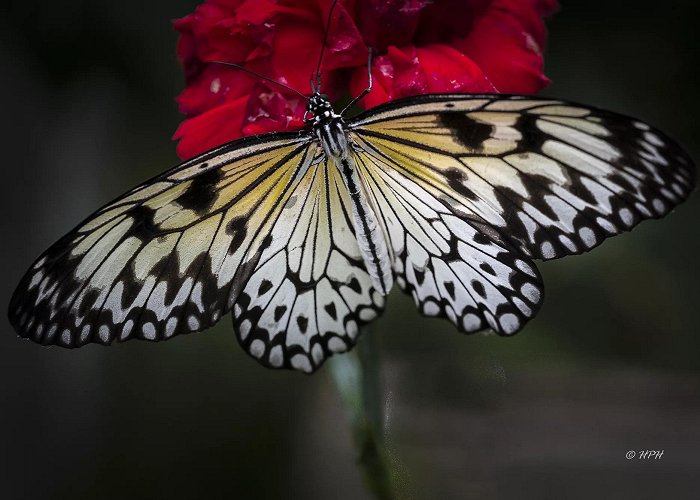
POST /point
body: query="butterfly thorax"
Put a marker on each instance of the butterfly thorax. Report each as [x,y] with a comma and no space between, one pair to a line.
[329,127]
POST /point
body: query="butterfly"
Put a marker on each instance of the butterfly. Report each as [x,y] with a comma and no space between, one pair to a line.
[301,235]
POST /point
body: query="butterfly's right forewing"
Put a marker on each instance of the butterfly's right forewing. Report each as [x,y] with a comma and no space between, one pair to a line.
[556,177]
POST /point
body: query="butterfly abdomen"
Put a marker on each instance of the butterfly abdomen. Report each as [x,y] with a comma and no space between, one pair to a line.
[370,238]
[331,133]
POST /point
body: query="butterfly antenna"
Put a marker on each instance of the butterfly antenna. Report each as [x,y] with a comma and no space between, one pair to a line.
[323,48]
[262,77]
[311,82]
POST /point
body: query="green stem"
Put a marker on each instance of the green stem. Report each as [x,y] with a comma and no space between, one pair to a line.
[357,378]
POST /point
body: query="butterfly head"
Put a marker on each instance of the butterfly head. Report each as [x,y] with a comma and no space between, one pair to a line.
[319,107]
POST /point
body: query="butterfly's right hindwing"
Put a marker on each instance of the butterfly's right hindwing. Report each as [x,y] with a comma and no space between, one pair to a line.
[470,188]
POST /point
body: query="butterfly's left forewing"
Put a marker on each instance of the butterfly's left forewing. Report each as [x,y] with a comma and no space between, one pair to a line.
[168,257]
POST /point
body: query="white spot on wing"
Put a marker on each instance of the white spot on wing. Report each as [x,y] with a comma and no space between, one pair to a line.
[257,348]
[301,362]
[149,331]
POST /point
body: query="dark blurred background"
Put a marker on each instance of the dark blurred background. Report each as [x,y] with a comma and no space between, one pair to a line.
[611,363]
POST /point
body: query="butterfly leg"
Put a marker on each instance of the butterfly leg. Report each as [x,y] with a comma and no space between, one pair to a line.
[369,84]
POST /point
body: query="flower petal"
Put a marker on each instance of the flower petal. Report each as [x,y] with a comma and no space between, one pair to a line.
[444,20]
[507,43]
[389,22]
[298,39]
[217,126]
[215,85]
[411,71]
[216,32]
[448,70]
[270,110]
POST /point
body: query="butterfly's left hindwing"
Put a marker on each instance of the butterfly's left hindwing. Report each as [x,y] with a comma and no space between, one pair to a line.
[310,292]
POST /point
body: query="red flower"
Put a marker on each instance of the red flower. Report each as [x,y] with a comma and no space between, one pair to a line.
[421,46]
